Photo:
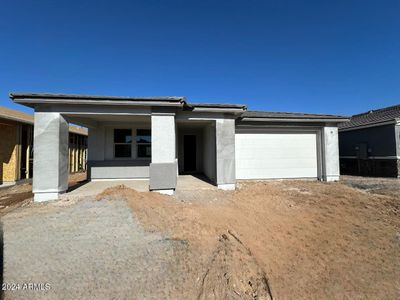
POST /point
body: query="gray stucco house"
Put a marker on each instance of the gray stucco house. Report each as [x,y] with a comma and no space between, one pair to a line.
[161,137]
[370,143]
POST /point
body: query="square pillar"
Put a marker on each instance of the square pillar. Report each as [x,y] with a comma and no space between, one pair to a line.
[330,154]
[50,161]
[397,138]
[163,167]
[225,153]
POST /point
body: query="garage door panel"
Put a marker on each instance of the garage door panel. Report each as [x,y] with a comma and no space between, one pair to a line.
[276,155]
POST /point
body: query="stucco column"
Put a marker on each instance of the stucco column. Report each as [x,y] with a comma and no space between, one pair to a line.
[225,153]
[330,154]
[50,162]
[397,138]
[163,167]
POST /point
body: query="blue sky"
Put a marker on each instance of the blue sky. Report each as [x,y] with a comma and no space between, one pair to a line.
[338,56]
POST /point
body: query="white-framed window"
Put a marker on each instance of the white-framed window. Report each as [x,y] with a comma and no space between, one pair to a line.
[122,143]
[143,143]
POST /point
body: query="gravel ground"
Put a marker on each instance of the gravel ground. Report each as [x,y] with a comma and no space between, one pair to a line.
[88,249]
[380,186]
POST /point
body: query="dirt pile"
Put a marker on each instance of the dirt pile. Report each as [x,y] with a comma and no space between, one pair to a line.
[313,240]
[233,273]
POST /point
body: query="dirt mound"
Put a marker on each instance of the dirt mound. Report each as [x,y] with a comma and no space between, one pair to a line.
[221,269]
[233,273]
[314,240]
[128,193]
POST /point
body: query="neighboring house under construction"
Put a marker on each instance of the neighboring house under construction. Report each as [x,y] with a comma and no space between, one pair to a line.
[16,146]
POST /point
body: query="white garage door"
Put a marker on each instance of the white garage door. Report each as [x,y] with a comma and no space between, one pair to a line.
[276,155]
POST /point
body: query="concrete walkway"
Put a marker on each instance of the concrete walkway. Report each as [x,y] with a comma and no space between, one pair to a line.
[185,183]
[92,188]
[193,182]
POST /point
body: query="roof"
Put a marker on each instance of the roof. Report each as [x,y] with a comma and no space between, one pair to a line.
[293,116]
[15,115]
[217,105]
[372,117]
[30,99]
[21,117]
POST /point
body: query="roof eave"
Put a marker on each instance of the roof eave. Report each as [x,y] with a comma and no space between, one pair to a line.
[218,110]
[31,102]
[15,119]
[15,95]
[298,120]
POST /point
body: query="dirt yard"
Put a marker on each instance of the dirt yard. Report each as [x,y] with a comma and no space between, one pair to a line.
[19,195]
[277,239]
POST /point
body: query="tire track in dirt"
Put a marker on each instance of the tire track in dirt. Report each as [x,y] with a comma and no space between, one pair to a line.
[233,273]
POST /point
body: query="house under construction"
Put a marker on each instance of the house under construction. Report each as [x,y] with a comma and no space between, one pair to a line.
[16,146]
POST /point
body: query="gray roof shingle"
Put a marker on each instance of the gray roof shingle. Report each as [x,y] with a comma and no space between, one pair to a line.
[376,116]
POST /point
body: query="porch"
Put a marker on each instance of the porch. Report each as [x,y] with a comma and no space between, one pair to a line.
[184,183]
[152,145]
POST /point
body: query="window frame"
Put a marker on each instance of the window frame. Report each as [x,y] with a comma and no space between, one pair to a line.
[142,143]
[119,143]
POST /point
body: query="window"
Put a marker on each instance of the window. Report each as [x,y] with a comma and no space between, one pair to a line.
[143,142]
[122,143]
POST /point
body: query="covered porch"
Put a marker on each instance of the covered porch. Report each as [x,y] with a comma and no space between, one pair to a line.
[130,138]
[184,183]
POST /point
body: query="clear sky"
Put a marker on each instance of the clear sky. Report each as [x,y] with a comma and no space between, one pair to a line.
[337,56]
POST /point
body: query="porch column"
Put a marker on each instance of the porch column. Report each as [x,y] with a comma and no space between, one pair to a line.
[163,167]
[225,153]
[330,153]
[50,161]
[397,137]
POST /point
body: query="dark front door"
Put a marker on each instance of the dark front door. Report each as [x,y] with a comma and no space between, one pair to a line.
[189,153]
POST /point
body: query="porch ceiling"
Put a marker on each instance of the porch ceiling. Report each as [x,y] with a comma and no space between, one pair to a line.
[192,124]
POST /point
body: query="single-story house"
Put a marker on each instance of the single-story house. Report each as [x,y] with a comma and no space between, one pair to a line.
[370,143]
[16,146]
[161,137]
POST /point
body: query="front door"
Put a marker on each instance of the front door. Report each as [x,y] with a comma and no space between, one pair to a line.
[189,153]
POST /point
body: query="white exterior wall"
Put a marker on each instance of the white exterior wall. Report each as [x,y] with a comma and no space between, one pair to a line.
[96,143]
[163,148]
[163,167]
[209,151]
[225,153]
[50,165]
[330,153]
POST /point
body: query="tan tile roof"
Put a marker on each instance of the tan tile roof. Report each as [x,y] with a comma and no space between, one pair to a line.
[21,117]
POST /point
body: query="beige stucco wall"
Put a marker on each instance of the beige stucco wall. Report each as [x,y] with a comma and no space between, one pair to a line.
[8,152]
